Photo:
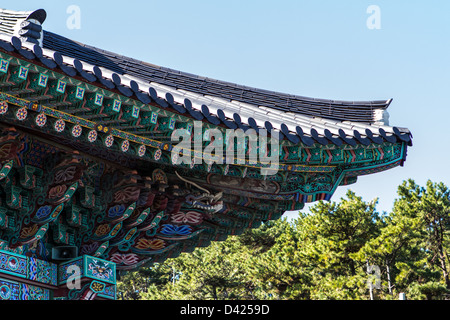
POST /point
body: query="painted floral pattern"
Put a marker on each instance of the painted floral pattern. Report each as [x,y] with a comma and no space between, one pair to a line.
[76,131]
[116,211]
[173,230]
[57,192]
[128,194]
[65,174]
[29,231]
[21,114]
[43,212]
[125,146]
[89,248]
[3,107]
[102,230]
[126,259]
[141,151]
[155,244]
[41,120]
[109,141]
[92,136]
[191,217]
[158,154]
[60,125]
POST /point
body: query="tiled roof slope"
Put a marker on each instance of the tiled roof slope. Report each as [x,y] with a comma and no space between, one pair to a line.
[359,111]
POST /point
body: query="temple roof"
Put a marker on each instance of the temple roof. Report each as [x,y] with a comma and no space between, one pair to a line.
[88,156]
[299,119]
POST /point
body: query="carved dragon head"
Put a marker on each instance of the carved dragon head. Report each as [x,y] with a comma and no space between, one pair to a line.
[201,198]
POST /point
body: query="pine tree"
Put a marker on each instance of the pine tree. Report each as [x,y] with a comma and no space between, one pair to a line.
[343,250]
[428,209]
[412,247]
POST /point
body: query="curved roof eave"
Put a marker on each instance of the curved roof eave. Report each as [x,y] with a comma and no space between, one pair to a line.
[294,126]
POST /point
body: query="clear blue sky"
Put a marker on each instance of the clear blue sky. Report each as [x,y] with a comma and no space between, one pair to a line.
[315,48]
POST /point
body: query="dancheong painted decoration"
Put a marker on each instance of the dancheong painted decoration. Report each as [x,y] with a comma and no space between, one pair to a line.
[93,183]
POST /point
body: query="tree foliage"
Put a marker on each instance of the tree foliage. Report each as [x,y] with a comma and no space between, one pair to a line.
[328,253]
